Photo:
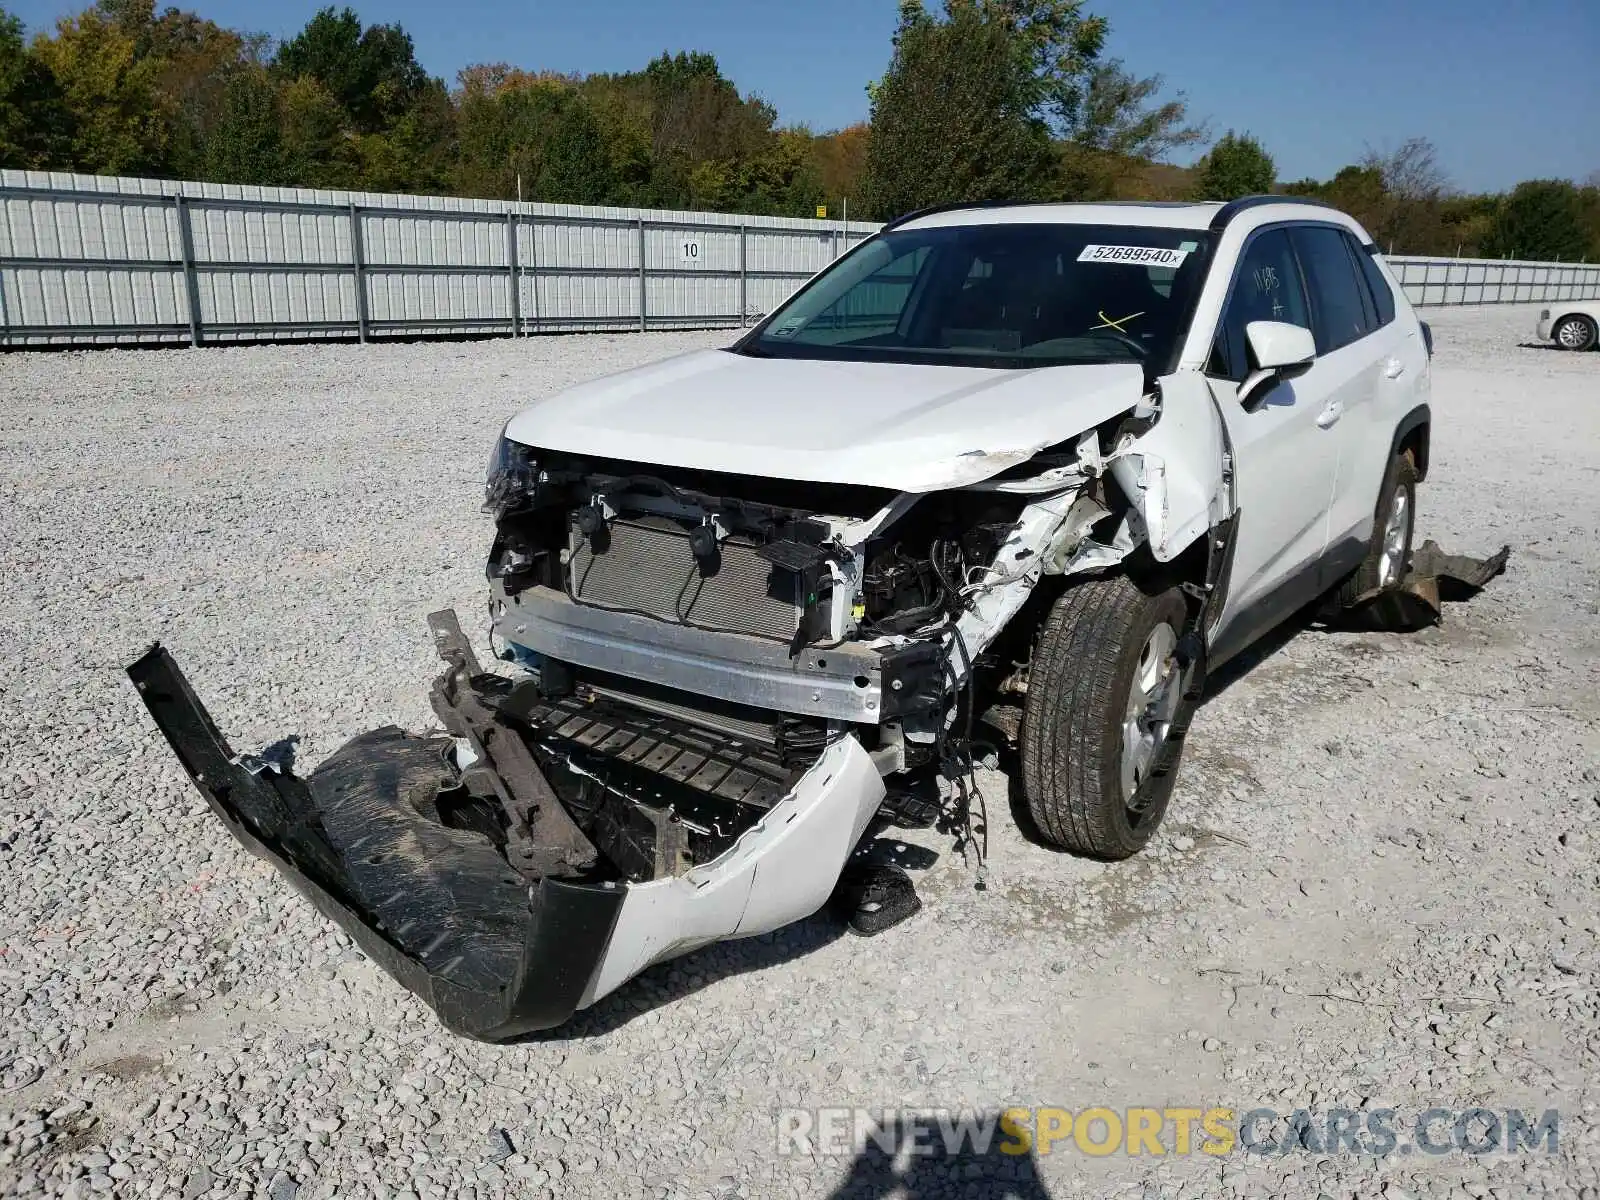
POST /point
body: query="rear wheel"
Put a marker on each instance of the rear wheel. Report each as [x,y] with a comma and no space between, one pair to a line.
[1105,716]
[1389,552]
[1576,332]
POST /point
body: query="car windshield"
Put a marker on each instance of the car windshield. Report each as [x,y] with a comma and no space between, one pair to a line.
[997,295]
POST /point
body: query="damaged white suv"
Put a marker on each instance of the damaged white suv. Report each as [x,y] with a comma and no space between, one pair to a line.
[1040,467]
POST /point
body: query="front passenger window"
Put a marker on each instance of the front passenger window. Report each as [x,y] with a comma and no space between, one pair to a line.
[1267,287]
[1336,292]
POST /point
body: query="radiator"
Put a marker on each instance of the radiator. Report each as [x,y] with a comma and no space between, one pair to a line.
[645,566]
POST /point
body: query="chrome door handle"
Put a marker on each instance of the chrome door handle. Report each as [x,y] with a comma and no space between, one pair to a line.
[1329,416]
[1393,369]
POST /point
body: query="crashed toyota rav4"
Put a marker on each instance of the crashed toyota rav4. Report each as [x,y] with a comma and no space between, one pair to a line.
[1029,470]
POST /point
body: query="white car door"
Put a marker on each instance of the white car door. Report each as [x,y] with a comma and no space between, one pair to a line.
[1363,363]
[1284,455]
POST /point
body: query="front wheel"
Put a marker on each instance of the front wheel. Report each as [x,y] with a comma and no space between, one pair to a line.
[1104,720]
[1576,332]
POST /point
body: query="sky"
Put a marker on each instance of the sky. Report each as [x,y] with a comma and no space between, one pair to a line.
[1506,91]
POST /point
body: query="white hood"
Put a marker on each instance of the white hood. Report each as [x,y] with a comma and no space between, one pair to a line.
[910,428]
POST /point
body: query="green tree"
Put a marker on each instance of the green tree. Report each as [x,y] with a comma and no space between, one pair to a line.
[965,110]
[118,126]
[317,152]
[506,119]
[1236,166]
[1542,220]
[576,169]
[372,72]
[192,61]
[246,145]
[35,125]
[1121,126]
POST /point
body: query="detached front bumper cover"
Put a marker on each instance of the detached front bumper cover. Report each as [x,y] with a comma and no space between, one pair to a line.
[443,910]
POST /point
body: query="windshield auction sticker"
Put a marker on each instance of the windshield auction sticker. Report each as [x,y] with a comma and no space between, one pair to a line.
[1144,256]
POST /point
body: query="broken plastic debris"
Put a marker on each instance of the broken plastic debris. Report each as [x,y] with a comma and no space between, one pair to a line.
[1432,580]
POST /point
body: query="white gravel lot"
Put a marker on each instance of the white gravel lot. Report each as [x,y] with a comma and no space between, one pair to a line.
[1378,885]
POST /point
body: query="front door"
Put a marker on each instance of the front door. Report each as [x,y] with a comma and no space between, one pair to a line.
[1285,455]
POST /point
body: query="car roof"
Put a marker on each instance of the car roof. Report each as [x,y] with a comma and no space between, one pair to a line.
[1161,215]
[1197,215]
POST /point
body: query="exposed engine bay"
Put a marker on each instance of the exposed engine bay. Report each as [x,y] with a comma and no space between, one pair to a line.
[760,620]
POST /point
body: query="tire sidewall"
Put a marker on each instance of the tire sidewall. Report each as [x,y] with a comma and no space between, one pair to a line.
[1154,793]
[1402,478]
[1582,322]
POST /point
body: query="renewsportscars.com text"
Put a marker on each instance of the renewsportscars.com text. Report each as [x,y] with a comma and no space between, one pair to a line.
[1215,1130]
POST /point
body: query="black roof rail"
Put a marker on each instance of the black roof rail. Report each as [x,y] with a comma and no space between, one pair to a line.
[951,206]
[1233,208]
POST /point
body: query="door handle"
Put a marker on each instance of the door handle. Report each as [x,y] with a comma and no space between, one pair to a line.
[1329,416]
[1393,369]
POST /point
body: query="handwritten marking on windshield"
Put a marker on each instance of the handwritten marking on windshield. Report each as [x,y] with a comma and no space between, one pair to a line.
[1117,324]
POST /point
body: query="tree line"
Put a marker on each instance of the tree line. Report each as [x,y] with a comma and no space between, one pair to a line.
[981,100]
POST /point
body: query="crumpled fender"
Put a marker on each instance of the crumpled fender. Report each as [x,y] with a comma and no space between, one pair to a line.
[1175,472]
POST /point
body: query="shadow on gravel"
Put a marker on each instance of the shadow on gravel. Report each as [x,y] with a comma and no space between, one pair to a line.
[677,978]
[938,1168]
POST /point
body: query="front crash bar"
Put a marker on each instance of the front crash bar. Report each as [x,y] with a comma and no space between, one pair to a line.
[442,911]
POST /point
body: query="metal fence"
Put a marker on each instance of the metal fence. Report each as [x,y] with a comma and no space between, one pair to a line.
[90,260]
[87,260]
[1440,281]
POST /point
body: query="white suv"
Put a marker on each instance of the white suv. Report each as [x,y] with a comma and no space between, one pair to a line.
[1037,466]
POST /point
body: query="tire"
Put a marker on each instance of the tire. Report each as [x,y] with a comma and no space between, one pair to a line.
[1085,662]
[1576,332]
[1381,572]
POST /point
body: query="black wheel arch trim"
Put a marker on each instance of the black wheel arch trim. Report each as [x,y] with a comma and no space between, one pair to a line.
[1420,417]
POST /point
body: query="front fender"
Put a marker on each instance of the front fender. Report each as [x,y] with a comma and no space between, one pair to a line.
[1175,473]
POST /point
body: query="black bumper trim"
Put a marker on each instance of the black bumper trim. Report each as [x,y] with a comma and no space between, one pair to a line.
[450,920]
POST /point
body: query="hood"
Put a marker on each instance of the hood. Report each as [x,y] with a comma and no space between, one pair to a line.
[909,428]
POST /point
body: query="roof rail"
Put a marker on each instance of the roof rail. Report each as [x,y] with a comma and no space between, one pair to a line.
[951,206]
[1233,208]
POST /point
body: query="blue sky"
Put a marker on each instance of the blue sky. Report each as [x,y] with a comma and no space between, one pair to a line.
[1507,91]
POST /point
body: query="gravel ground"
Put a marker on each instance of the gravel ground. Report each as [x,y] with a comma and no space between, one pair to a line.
[1377,886]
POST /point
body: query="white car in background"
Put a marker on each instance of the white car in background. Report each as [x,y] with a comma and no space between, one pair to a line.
[1572,325]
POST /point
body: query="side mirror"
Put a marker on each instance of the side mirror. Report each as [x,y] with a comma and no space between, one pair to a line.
[1280,351]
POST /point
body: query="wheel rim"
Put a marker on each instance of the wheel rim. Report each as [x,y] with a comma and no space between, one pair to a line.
[1573,335]
[1392,559]
[1152,703]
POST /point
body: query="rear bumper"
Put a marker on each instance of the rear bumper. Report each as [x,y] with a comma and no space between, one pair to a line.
[495,953]
[1543,328]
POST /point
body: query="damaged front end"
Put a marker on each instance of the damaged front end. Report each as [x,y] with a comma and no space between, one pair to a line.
[717,684]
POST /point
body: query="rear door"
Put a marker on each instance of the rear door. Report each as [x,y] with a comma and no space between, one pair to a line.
[1283,460]
[1351,359]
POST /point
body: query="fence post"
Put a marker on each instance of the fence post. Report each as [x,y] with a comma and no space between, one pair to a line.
[641,276]
[358,262]
[191,284]
[744,275]
[512,281]
[533,273]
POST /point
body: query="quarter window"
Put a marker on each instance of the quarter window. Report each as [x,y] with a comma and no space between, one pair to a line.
[1338,306]
[1267,287]
[1382,294]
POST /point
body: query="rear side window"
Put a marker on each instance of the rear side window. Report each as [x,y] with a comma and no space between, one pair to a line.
[1382,294]
[1338,301]
[1267,287]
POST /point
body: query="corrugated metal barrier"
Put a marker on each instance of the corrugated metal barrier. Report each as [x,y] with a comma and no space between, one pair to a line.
[87,260]
[1439,281]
